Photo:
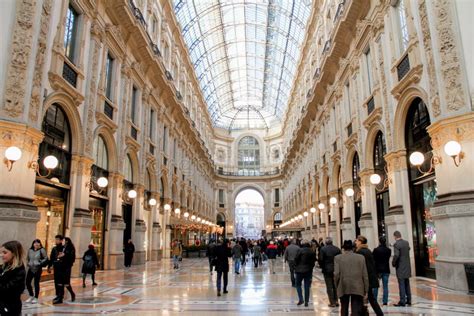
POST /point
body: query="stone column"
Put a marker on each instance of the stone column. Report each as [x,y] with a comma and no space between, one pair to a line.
[333,223]
[453,212]
[348,208]
[139,231]
[115,223]
[166,231]
[369,208]
[18,214]
[155,231]
[81,222]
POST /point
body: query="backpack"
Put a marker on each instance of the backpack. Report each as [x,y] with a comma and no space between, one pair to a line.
[89,262]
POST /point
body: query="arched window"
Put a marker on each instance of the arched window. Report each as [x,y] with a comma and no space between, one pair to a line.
[56,142]
[248,156]
[382,196]
[128,170]
[101,156]
[277,217]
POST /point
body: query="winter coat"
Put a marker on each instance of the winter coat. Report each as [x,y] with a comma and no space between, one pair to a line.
[237,252]
[177,250]
[382,259]
[36,259]
[12,285]
[256,251]
[222,254]
[370,264]
[129,249]
[401,259]
[326,262]
[62,265]
[290,252]
[350,274]
[91,261]
[305,260]
[272,251]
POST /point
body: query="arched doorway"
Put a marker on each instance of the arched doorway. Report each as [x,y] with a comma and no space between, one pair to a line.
[220,221]
[249,214]
[422,189]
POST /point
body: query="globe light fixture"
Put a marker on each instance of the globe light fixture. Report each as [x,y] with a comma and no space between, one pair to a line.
[193,217]
[198,219]
[186,214]
[152,202]
[300,216]
[12,154]
[305,214]
[350,192]
[50,162]
[453,149]
[132,194]
[375,179]
[333,200]
[321,206]
[417,158]
[313,210]
[102,182]
[177,210]
[167,207]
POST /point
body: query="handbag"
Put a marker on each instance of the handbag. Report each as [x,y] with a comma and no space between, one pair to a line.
[44,263]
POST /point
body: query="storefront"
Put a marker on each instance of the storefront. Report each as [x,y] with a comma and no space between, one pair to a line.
[423,188]
[52,179]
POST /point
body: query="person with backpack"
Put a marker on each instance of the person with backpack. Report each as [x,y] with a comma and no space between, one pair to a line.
[36,259]
[91,262]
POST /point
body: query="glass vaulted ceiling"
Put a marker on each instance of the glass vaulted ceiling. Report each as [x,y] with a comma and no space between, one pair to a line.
[245,54]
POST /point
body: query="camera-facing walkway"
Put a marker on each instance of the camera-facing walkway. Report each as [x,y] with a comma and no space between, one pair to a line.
[157,289]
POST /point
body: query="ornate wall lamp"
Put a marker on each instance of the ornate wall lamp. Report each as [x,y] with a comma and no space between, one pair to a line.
[12,154]
[376,179]
[454,150]
[312,210]
[49,162]
[167,207]
[152,202]
[333,200]
[97,186]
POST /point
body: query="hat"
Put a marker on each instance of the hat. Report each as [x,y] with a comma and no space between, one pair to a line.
[271,242]
[347,245]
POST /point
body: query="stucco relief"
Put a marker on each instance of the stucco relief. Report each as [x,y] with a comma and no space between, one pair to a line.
[36,98]
[20,54]
[433,86]
[449,55]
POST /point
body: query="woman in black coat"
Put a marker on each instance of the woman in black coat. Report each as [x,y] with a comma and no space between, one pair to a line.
[12,278]
[91,262]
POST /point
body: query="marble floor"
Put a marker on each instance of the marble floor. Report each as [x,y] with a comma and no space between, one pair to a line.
[157,289]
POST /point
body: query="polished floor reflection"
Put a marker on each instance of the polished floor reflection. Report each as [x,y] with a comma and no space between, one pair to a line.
[157,289]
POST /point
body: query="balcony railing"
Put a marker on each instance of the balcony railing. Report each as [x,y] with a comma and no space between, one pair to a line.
[133,132]
[69,74]
[108,110]
[370,105]
[137,13]
[403,67]
[248,172]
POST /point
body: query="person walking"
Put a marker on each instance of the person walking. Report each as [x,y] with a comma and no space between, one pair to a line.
[12,278]
[272,252]
[382,266]
[245,250]
[176,252]
[128,250]
[256,254]
[351,278]
[328,253]
[69,258]
[304,264]
[363,249]
[210,254]
[91,262]
[36,259]
[61,260]
[401,262]
[290,254]
[237,257]
[222,254]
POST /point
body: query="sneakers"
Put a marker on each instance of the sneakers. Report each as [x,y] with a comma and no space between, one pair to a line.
[34,300]
[94,284]
[218,293]
[29,299]
[57,300]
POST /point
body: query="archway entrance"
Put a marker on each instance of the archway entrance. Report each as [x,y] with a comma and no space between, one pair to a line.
[249,214]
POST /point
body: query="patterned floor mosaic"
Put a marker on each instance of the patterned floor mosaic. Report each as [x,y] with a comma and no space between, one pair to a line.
[157,289]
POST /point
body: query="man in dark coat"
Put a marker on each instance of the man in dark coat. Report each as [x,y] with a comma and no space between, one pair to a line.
[328,253]
[222,254]
[304,264]
[245,250]
[60,260]
[382,266]
[91,262]
[129,250]
[363,249]
[401,261]
[210,254]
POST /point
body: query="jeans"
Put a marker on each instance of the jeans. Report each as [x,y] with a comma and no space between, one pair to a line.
[272,265]
[307,278]
[256,260]
[384,277]
[221,274]
[36,276]
[330,288]
[176,261]
[237,265]
[291,265]
[357,303]
[405,292]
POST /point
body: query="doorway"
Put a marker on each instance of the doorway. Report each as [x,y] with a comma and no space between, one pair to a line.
[249,214]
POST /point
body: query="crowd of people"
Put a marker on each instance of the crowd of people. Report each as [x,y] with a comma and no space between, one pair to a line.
[352,276]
